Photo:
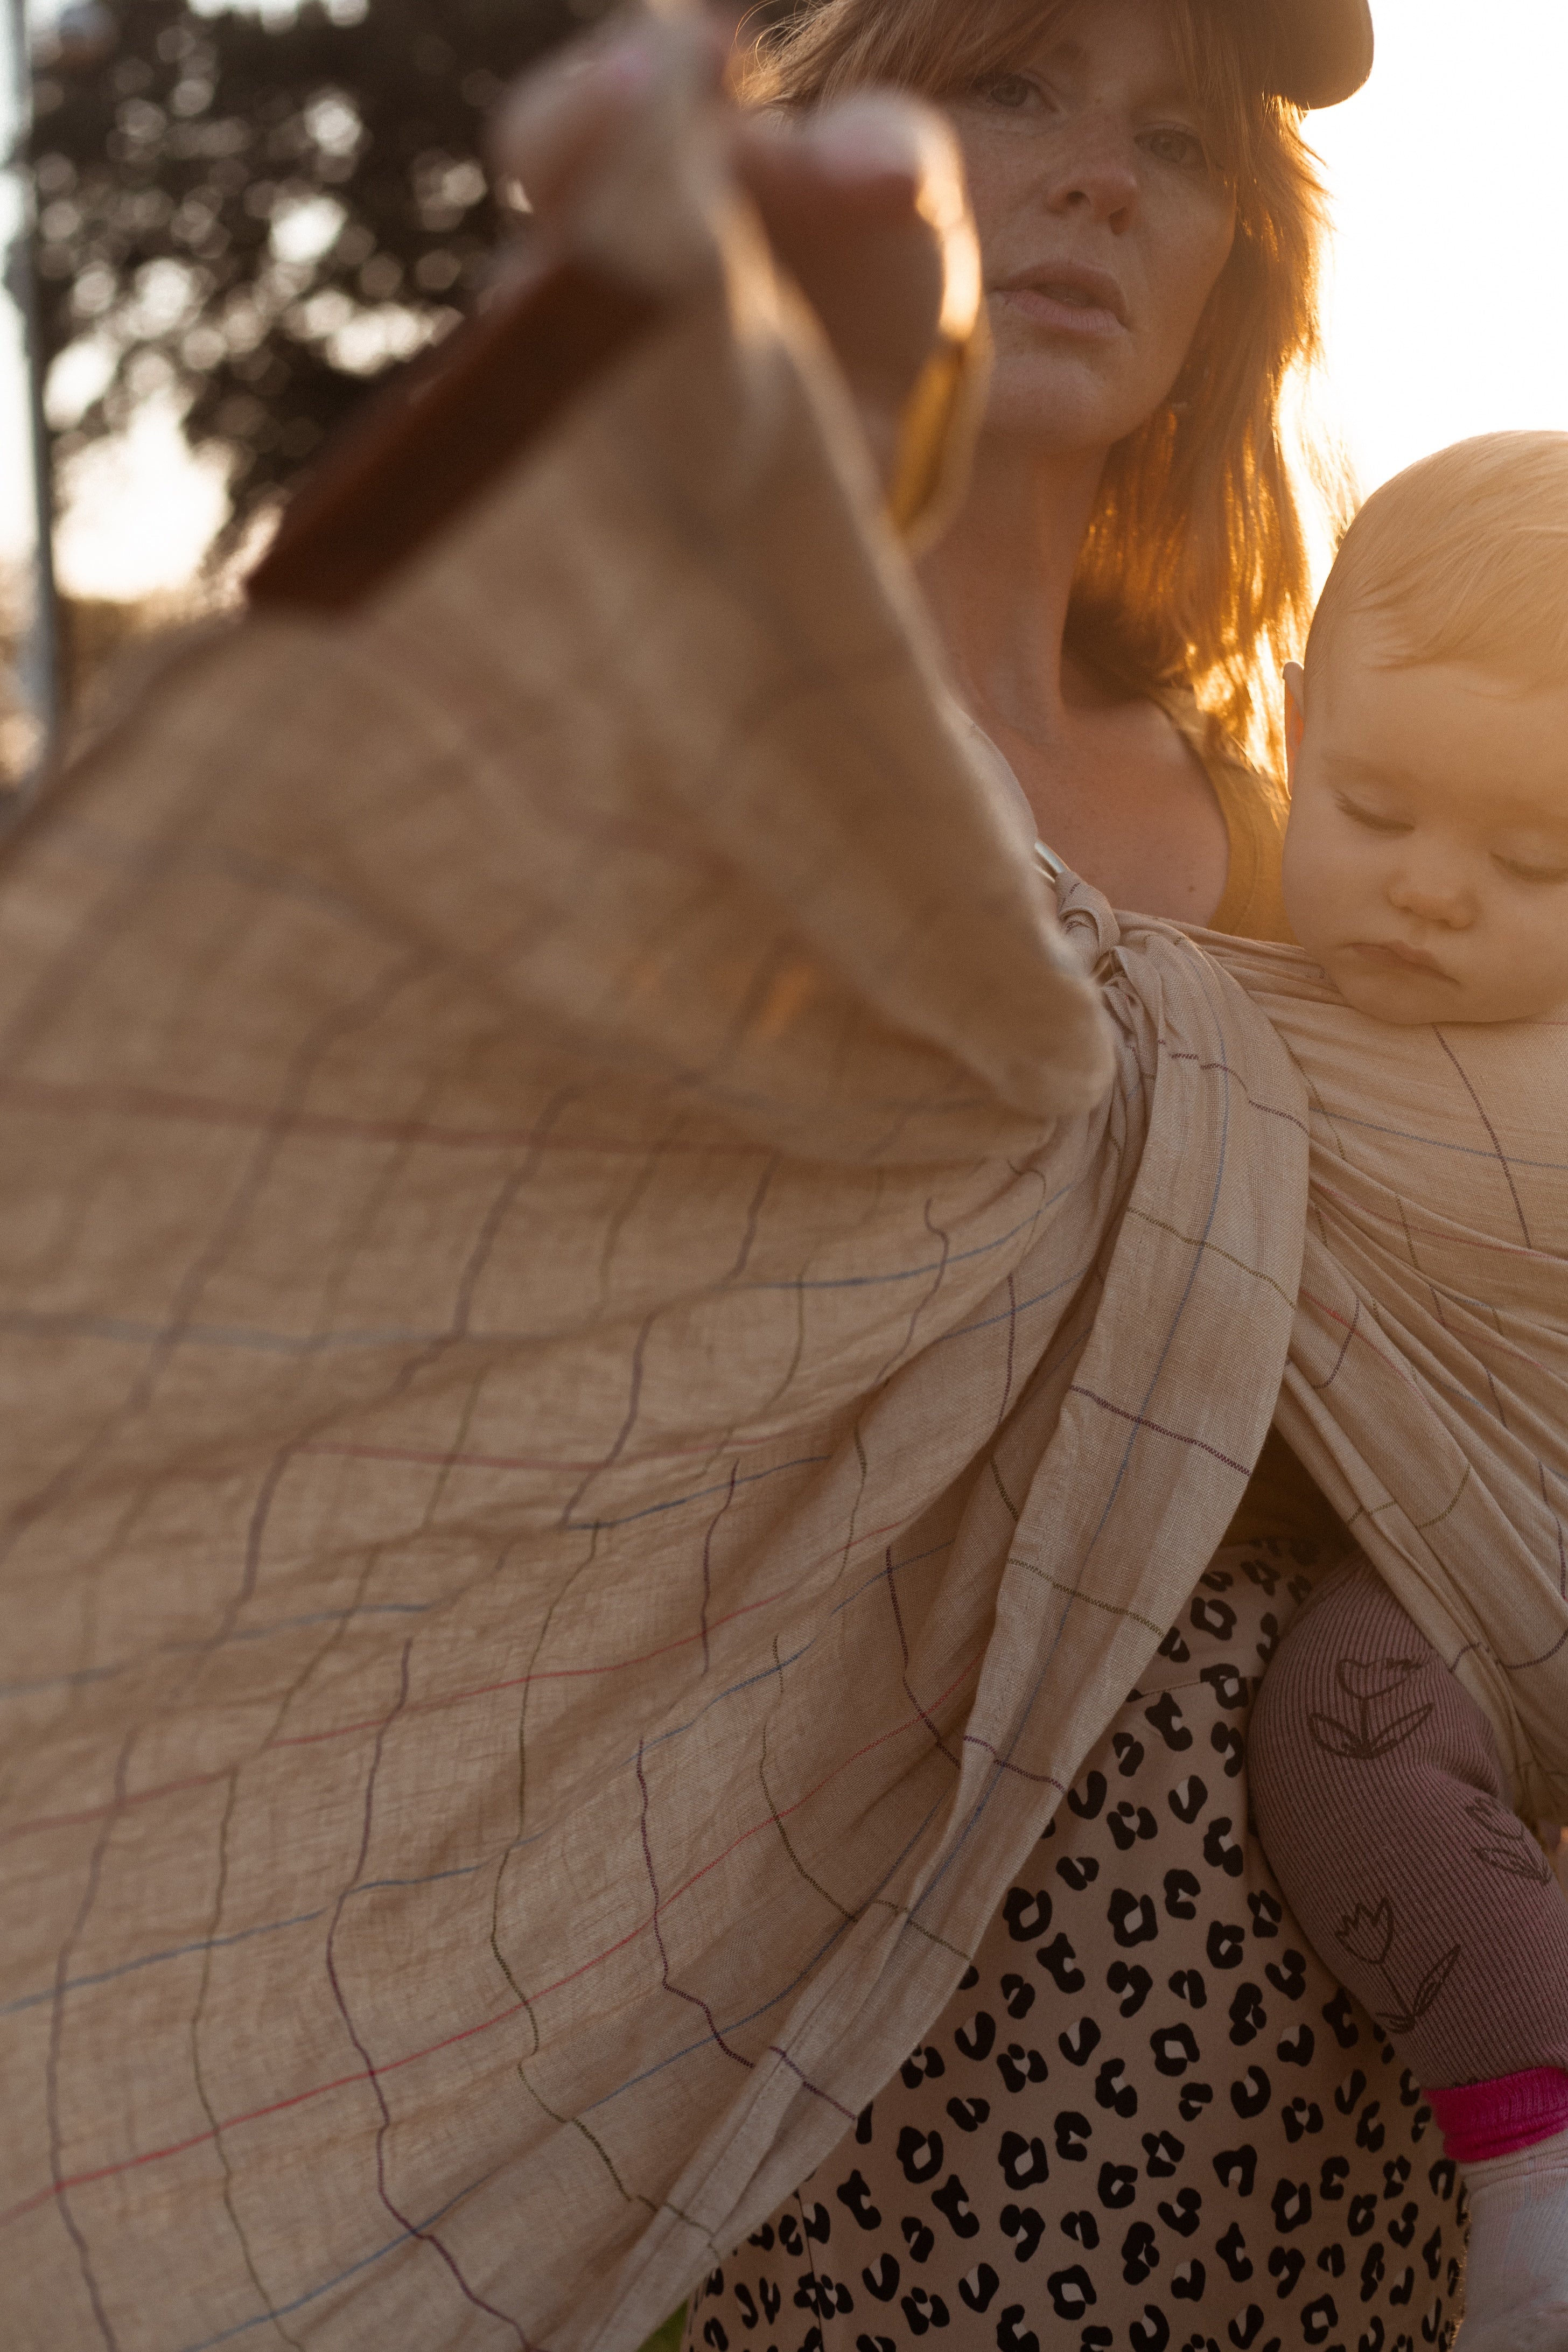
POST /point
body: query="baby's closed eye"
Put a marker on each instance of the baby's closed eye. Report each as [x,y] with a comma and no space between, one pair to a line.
[1376,820]
[1532,870]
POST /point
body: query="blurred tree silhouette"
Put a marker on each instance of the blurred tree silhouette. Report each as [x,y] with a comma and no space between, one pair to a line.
[256,214]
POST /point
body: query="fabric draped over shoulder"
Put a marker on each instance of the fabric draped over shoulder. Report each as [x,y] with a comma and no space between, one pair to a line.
[1427,1387]
[610,1371]
[613,1362]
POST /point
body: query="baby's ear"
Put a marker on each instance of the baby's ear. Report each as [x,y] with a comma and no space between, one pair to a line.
[1295,714]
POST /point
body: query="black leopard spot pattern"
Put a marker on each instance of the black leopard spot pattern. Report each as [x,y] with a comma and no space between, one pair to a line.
[1148,2120]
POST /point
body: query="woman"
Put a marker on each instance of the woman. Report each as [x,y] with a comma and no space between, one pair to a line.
[464,1877]
[1165,2124]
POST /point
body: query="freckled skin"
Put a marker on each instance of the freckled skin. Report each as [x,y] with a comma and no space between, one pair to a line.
[1092,151]
[1426,861]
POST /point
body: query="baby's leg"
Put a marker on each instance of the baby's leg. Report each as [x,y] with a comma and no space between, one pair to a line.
[1380,1800]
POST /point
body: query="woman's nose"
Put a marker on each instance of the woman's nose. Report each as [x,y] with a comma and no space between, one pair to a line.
[1093,171]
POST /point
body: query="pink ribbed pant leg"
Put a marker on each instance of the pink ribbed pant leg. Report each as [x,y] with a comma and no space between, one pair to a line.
[1381,1804]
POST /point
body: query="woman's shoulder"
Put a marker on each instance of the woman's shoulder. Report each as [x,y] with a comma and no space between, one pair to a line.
[1254,807]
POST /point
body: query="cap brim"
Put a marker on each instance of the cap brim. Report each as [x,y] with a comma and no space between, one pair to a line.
[1323,49]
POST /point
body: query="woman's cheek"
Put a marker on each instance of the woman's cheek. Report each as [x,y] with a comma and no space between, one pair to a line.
[1199,234]
[995,192]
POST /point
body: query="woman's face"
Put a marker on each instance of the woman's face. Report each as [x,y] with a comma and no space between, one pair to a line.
[1103,224]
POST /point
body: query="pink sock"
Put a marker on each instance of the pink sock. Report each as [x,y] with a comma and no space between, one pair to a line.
[1480,2120]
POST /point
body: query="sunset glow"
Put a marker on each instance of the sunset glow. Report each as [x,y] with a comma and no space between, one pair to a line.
[1451,200]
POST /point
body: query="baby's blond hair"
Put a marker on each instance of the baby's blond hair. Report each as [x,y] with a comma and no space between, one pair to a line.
[1462,559]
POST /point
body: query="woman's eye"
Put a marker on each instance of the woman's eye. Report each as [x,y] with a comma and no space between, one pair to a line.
[1011,90]
[1184,149]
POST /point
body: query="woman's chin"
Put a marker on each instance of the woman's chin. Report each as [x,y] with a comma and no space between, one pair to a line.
[1066,398]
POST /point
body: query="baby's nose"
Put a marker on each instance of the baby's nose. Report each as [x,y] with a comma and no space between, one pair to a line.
[1435,896]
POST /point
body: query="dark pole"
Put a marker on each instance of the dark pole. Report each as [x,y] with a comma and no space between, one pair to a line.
[36,651]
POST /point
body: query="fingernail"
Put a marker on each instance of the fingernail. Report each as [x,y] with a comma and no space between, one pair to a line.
[862,140]
[631,64]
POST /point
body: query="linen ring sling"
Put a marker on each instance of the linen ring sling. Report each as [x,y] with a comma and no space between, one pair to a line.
[617,1347]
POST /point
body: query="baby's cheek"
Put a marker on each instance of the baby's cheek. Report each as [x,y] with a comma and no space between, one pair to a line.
[1297,899]
[1311,888]
[1533,962]
[1400,1004]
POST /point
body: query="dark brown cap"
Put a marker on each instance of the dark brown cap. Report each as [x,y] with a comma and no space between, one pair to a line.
[1322,48]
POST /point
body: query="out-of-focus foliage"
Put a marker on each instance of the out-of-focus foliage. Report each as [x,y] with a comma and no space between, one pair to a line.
[256,214]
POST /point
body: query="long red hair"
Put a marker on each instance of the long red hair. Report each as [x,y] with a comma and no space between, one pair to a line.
[1196,570]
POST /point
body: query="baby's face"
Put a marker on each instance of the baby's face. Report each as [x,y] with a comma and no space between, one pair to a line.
[1426,860]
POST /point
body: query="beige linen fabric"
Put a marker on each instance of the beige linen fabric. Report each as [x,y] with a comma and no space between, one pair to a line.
[610,1370]
[542,1611]
[1427,1386]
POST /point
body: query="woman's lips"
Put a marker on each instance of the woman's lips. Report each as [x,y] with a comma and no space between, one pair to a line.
[1070,300]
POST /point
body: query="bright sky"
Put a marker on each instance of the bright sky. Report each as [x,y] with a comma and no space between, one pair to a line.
[1451,200]
[1447,314]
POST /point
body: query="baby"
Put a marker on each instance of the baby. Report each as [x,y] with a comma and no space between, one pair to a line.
[1426,872]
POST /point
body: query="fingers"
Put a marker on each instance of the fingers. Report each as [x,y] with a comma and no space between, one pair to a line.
[863,201]
[557,127]
[877,156]
[865,204]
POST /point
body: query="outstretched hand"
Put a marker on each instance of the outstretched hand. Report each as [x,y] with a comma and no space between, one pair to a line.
[863,201]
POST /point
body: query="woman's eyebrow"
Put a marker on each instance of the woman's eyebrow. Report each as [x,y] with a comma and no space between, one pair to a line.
[1067,55]
[1175,91]
[1065,52]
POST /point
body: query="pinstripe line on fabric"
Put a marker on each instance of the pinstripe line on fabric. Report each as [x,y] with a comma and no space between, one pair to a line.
[599,966]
